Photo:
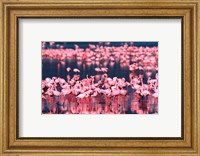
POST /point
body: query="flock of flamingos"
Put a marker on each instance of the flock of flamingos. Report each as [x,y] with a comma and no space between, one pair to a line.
[102,93]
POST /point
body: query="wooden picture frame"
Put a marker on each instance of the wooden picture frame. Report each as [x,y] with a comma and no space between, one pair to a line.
[11,144]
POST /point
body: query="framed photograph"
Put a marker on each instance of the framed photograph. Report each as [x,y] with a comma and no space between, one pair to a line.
[99,77]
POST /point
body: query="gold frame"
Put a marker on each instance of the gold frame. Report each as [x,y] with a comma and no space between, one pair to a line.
[11,10]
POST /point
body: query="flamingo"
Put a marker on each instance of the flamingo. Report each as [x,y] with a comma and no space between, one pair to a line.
[76,70]
[68,69]
[104,70]
[97,69]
